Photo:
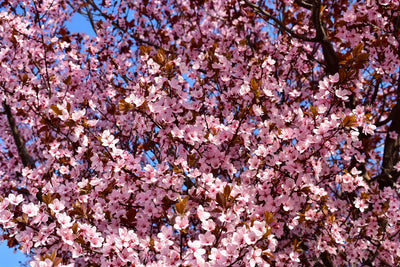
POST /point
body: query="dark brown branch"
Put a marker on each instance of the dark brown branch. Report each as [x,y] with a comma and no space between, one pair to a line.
[316,19]
[281,26]
[305,4]
[376,89]
[91,20]
[331,59]
[391,151]
[330,56]
[325,259]
[23,153]
[380,123]
[114,22]
[392,146]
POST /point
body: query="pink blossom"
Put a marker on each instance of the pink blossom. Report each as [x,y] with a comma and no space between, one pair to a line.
[208,225]
[203,215]
[57,205]
[78,115]
[181,223]
[397,166]
[15,199]
[218,257]
[64,220]
[166,236]
[66,235]
[334,78]
[251,238]
[96,240]
[195,246]
[5,216]
[254,257]
[244,89]
[393,134]
[360,204]
[30,209]
[259,228]
[41,263]
[207,239]
[294,256]
[64,170]
[239,237]
[128,237]
[253,163]
[108,139]
[40,218]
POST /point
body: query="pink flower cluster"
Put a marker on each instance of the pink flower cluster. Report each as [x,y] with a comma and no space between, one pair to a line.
[201,133]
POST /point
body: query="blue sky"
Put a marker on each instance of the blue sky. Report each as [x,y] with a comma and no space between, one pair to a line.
[7,256]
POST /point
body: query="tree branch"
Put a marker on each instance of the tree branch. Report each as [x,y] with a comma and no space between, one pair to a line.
[389,175]
[23,153]
[330,56]
[281,26]
[306,5]
[391,151]
[114,22]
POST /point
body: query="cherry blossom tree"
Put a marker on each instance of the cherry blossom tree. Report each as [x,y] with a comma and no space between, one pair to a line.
[201,132]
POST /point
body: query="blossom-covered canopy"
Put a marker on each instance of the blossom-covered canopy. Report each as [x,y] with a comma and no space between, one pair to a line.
[201,132]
